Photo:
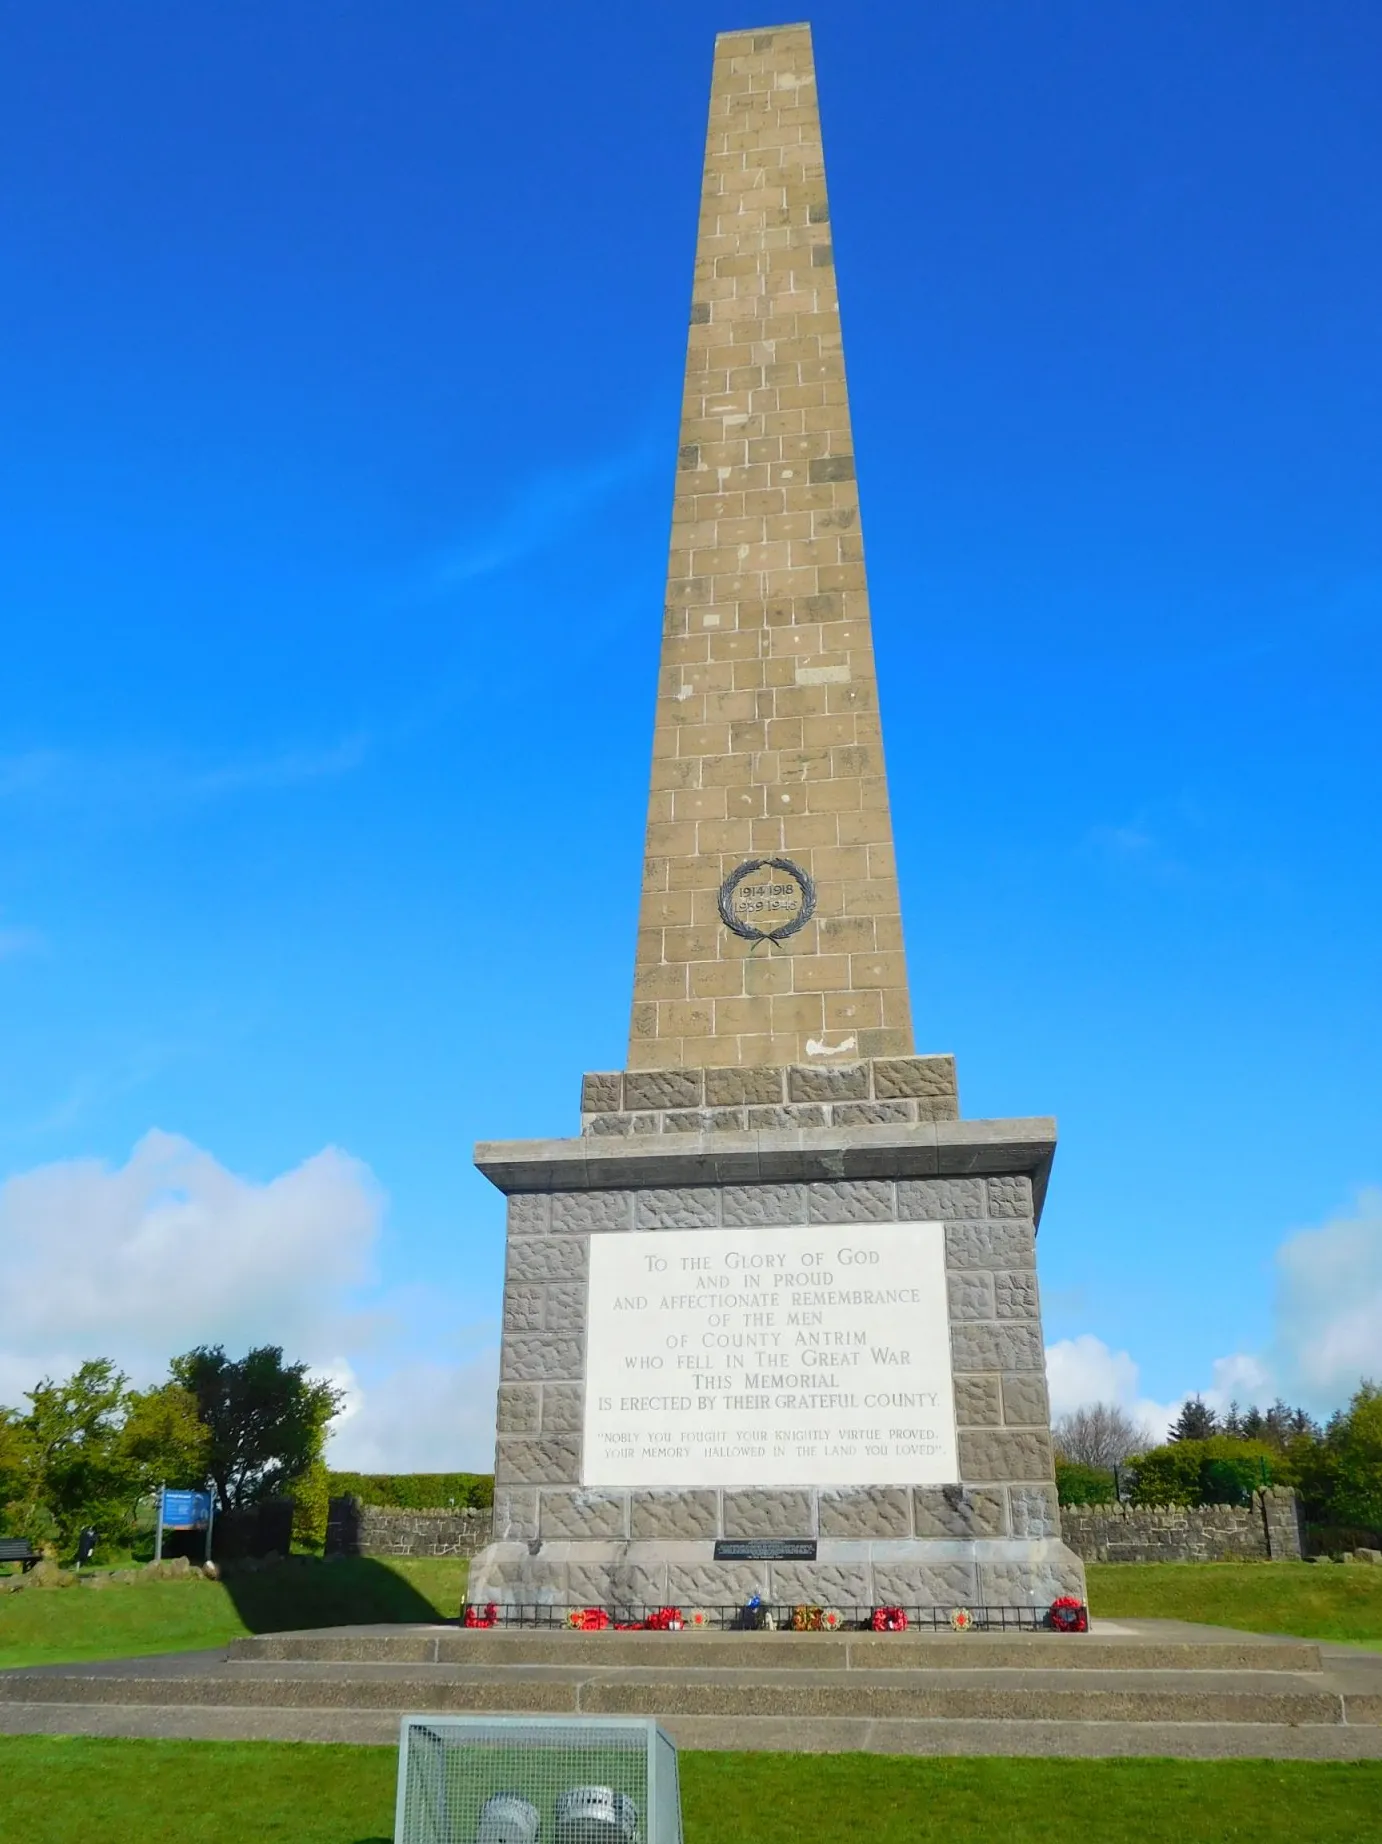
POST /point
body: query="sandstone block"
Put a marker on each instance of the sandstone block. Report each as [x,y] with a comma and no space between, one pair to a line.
[663,1088]
[870,1113]
[715,1584]
[1010,1197]
[851,1200]
[849,1082]
[1005,1453]
[952,1511]
[785,1119]
[533,1357]
[920,1077]
[1010,1345]
[821,1584]
[758,1511]
[565,1309]
[547,1258]
[1025,1403]
[593,1515]
[1041,1581]
[939,1200]
[683,1207]
[977,1402]
[588,1211]
[520,1408]
[937,1584]
[515,1514]
[865,1511]
[1016,1295]
[563,1407]
[1033,1511]
[552,1459]
[990,1245]
[971,1294]
[728,1088]
[749,1206]
[523,1308]
[676,1516]
[602,1092]
[529,1213]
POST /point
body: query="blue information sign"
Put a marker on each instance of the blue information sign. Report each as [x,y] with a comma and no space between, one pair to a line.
[186,1510]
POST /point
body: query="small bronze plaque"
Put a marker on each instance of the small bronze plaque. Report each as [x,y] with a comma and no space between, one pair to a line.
[765,1549]
[767,899]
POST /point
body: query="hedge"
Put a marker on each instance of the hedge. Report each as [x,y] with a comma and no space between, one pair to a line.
[416,1491]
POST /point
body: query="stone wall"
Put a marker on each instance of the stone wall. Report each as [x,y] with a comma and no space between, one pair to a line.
[1267,1530]
[354,1529]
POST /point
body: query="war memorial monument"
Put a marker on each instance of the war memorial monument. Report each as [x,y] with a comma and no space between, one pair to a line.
[771,1322]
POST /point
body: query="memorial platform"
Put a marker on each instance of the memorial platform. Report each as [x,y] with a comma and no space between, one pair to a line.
[1141,1687]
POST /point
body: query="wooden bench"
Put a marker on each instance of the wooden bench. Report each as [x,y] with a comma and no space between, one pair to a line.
[19,1549]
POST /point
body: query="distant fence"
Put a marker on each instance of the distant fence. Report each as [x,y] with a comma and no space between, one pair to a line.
[356,1529]
[1267,1530]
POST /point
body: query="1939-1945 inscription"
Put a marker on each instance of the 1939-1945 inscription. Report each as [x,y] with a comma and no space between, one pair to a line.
[767,899]
[765,1549]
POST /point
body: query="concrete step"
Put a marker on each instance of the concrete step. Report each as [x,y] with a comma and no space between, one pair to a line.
[998,1696]
[504,1648]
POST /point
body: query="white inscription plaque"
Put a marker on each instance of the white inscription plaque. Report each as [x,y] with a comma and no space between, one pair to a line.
[812,1356]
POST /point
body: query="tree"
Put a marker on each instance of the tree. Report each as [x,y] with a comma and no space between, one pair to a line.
[1196,1422]
[163,1438]
[1099,1434]
[17,1469]
[80,1474]
[266,1421]
[1353,1440]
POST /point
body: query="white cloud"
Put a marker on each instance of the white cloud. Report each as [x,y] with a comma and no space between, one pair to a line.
[141,1261]
[1327,1333]
[1329,1305]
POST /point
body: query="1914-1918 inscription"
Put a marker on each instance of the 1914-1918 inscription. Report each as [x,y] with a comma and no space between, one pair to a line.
[792,1356]
[765,1549]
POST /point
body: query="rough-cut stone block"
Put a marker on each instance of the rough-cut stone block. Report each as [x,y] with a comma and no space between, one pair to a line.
[684,1207]
[576,1211]
[849,1082]
[602,1092]
[1010,1197]
[971,1294]
[553,1459]
[1016,1295]
[601,1515]
[750,1206]
[1012,1345]
[1034,1511]
[674,1516]
[1004,1453]
[621,1585]
[871,1113]
[977,1402]
[565,1309]
[529,1213]
[939,1200]
[923,1584]
[786,1119]
[821,1584]
[704,1120]
[851,1200]
[520,1408]
[548,1258]
[523,1308]
[1025,1403]
[663,1088]
[759,1511]
[610,1126]
[921,1077]
[533,1357]
[866,1511]
[951,1511]
[563,1407]
[1035,1583]
[515,1514]
[990,1245]
[937,1108]
[715,1584]
[729,1088]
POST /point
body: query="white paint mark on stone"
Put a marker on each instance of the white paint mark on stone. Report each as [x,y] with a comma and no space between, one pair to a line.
[819,1047]
[682,693]
[823,675]
[710,621]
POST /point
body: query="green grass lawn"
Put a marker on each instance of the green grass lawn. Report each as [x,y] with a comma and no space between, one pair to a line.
[53,1790]
[64,1625]
[1310,1600]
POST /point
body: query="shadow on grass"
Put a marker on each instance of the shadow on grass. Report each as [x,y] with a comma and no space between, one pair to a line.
[305,1592]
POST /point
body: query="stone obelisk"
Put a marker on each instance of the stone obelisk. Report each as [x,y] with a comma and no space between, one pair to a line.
[771,1321]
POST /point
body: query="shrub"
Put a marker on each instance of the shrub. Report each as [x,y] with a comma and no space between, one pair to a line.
[416,1491]
[1217,1471]
[1083,1485]
[310,1493]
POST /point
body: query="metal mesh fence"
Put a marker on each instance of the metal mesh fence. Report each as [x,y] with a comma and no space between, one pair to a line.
[536,1780]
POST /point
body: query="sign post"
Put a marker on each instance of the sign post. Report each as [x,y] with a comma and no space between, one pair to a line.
[184,1511]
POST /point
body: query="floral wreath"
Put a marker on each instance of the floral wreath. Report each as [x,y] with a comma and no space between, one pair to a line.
[889,1620]
[962,1620]
[1069,1614]
[832,1619]
[587,1619]
[475,1616]
[806,1619]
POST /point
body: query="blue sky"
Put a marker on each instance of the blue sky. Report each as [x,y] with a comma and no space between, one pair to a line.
[340,366]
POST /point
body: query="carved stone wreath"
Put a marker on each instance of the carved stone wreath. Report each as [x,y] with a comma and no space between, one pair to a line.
[749,930]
